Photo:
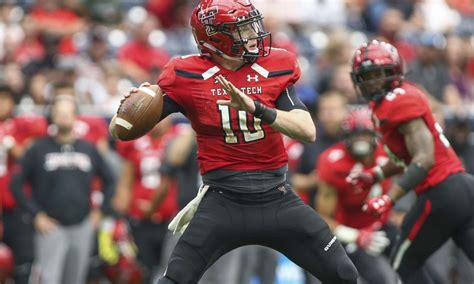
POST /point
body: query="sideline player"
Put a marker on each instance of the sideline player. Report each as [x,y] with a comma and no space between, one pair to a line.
[239,96]
[365,237]
[419,150]
[16,135]
[145,196]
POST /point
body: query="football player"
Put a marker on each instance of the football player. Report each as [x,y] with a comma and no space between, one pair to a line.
[340,203]
[145,196]
[16,135]
[420,152]
[239,96]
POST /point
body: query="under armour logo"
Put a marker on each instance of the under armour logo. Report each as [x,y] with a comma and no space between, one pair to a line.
[282,189]
[250,78]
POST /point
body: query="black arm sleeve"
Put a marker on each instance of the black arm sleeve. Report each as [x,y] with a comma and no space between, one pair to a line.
[22,174]
[169,107]
[288,100]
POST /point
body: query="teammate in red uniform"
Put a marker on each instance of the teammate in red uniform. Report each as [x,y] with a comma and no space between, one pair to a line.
[92,128]
[16,134]
[239,96]
[340,203]
[141,188]
[419,150]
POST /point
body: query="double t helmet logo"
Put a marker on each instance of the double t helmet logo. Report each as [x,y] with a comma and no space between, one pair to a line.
[207,17]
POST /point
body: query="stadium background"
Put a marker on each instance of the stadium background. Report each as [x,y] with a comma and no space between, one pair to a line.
[94,45]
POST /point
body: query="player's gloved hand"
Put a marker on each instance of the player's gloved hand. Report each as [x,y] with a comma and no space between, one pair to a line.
[363,179]
[378,205]
[108,250]
[369,239]
[373,242]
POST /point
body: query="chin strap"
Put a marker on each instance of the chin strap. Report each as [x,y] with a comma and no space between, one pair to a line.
[222,54]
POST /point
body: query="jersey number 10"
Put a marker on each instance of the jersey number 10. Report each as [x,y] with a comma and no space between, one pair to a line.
[248,135]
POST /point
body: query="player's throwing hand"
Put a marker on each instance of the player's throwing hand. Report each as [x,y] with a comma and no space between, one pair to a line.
[238,99]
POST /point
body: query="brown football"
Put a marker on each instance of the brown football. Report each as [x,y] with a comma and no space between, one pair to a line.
[139,113]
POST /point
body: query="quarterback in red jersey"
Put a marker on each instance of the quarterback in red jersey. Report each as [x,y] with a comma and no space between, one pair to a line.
[239,96]
[422,154]
[340,203]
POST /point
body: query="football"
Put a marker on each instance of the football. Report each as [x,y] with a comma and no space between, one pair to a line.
[139,113]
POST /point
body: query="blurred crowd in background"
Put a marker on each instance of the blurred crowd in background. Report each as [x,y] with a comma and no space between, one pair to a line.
[96,50]
[104,47]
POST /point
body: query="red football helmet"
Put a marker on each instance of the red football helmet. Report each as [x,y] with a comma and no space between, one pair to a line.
[228,27]
[358,120]
[356,125]
[376,69]
[7,263]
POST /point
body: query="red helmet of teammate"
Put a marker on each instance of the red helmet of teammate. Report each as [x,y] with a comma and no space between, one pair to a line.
[7,263]
[360,138]
[232,29]
[376,69]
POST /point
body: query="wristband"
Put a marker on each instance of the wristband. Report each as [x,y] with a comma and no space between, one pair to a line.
[414,174]
[266,114]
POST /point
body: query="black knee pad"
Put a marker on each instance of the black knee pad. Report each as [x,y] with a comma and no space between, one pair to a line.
[181,273]
[347,272]
[166,280]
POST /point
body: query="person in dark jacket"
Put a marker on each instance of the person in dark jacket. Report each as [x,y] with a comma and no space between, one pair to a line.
[60,169]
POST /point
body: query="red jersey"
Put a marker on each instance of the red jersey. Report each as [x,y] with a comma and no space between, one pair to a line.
[29,126]
[334,165]
[18,130]
[146,156]
[144,55]
[294,148]
[91,128]
[57,18]
[404,104]
[230,139]
[27,51]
